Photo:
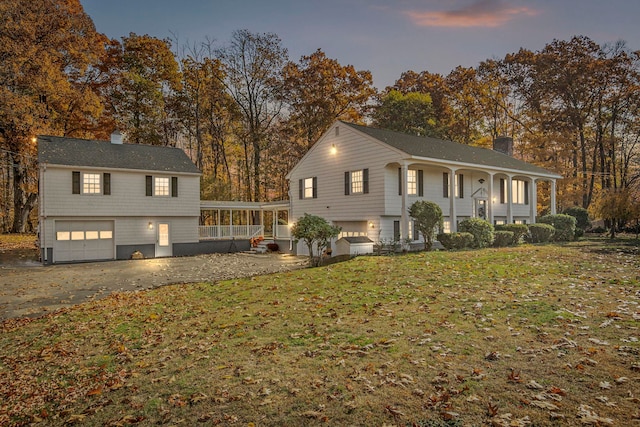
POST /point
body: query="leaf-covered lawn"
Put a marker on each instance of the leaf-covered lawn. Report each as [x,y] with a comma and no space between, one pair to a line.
[17,241]
[533,335]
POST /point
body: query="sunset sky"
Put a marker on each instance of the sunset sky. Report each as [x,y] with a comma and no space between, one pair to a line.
[386,37]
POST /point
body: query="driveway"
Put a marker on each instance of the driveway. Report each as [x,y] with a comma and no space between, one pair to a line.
[28,290]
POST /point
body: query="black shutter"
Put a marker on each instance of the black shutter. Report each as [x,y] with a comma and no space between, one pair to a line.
[445,184]
[396,230]
[420,183]
[174,186]
[365,181]
[502,195]
[300,189]
[399,181]
[149,185]
[315,187]
[526,192]
[106,184]
[347,183]
[75,182]
[416,235]
[461,185]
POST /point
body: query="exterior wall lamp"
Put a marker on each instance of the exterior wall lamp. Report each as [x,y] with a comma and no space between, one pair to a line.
[372,225]
[333,149]
[150,225]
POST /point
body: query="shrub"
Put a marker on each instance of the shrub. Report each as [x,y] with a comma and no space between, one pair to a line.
[482,231]
[582,219]
[540,233]
[455,240]
[564,225]
[520,231]
[502,238]
[428,218]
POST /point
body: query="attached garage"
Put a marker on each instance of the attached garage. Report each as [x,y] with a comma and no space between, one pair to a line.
[83,241]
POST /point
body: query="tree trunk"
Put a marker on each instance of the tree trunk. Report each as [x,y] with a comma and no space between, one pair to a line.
[23,202]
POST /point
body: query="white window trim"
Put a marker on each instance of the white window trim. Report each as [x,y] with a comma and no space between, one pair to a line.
[357,185]
[156,187]
[85,186]
[412,182]
[307,188]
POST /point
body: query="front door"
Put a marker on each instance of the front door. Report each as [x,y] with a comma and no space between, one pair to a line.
[481,208]
[163,242]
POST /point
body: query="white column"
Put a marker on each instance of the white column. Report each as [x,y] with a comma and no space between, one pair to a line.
[453,226]
[404,215]
[509,200]
[533,201]
[489,206]
[553,197]
[230,222]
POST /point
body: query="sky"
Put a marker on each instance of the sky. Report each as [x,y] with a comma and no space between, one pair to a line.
[386,37]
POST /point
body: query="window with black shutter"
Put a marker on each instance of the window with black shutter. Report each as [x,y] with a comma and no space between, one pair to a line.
[174,186]
[75,182]
[149,185]
[106,184]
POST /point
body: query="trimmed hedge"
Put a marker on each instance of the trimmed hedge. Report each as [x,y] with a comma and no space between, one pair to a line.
[520,231]
[502,238]
[482,231]
[540,233]
[455,240]
[565,226]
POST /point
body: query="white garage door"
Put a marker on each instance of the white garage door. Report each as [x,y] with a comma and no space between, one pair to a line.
[83,241]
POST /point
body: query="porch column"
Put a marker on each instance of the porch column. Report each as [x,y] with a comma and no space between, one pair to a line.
[404,214]
[219,225]
[533,201]
[509,200]
[230,222]
[453,226]
[553,197]
[489,206]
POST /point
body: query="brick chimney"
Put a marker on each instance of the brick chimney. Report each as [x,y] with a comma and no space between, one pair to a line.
[504,145]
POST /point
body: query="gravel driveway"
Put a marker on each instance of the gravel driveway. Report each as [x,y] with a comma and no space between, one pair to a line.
[30,291]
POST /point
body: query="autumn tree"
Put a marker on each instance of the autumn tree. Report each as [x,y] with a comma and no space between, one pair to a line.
[409,113]
[253,64]
[318,91]
[49,50]
[144,93]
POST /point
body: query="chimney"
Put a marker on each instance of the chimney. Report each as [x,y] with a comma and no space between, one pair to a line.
[504,145]
[116,137]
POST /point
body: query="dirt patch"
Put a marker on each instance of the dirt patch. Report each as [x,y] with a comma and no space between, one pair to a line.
[32,290]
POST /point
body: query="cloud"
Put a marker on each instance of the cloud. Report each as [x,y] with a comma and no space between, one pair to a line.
[480,13]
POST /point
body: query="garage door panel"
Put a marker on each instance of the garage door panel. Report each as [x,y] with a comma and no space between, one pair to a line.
[83,241]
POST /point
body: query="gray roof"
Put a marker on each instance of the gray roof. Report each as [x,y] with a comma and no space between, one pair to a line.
[357,239]
[103,154]
[439,149]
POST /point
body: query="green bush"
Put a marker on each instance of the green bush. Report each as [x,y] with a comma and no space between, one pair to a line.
[565,226]
[581,215]
[482,231]
[520,231]
[540,233]
[455,240]
[502,238]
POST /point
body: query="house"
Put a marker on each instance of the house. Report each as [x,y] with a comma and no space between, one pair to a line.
[105,200]
[365,179]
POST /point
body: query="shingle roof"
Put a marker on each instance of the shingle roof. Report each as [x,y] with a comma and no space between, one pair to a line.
[439,149]
[104,154]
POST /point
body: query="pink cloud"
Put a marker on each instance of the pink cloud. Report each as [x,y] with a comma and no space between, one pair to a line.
[481,13]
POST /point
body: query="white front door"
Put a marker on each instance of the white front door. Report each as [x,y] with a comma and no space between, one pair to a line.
[163,242]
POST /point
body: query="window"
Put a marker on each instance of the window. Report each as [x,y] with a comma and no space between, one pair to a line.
[519,191]
[356,182]
[308,188]
[458,182]
[161,186]
[91,183]
[412,182]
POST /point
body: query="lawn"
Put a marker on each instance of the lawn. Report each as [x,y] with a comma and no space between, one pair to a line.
[530,335]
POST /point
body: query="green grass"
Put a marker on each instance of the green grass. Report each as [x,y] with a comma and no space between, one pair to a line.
[439,338]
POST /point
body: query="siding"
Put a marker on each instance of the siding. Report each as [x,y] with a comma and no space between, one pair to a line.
[127,196]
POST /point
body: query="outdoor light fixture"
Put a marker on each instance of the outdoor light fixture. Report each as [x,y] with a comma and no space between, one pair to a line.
[333,149]
[150,225]
[371,224]
[481,180]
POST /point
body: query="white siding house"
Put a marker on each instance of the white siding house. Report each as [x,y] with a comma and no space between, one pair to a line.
[364,180]
[104,200]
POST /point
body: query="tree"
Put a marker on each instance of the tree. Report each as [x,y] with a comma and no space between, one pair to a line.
[408,113]
[144,95]
[253,78]
[314,231]
[616,208]
[428,219]
[319,91]
[49,52]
